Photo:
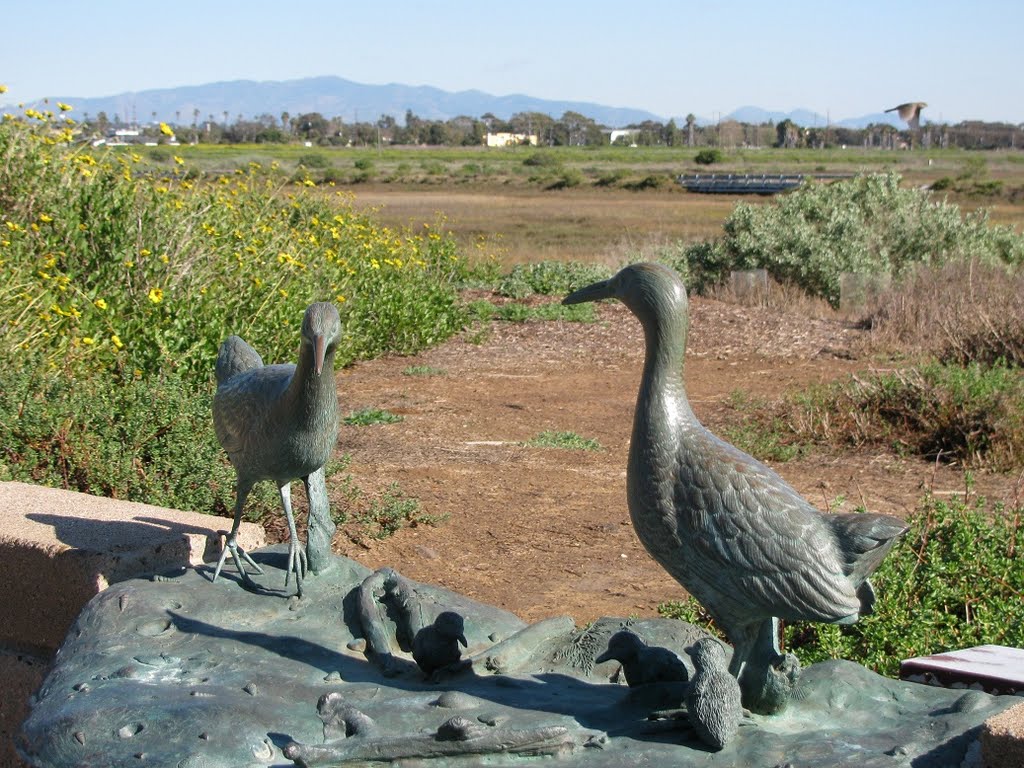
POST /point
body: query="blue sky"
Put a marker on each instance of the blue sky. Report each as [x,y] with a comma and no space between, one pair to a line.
[838,59]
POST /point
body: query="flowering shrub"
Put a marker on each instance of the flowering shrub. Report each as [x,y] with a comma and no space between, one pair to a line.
[108,265]
[119,281]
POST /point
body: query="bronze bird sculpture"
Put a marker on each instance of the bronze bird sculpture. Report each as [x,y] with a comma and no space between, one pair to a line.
[737,537]
[641,663]
[277,422]
[713,698]
[436,646]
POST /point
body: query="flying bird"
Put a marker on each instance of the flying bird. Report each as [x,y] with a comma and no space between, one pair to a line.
[910,113]
[277,422]
[737,537]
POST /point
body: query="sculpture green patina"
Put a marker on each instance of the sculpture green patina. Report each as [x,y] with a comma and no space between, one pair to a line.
[739,538]
[280,423]
[170,672]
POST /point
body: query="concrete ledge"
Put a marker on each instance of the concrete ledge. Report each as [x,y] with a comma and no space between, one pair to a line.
[1002,739]
[59,548]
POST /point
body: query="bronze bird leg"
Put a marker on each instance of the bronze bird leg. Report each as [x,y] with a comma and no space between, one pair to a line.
[231,545]
[297,562]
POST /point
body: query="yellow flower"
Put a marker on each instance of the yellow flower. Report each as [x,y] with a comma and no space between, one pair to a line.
[156,295]
[116,340]
[340,299]
[179,160]
[145,252]
[165,129]
[3,88]
[100,304]
[88,340]
[64,107]
[45,219]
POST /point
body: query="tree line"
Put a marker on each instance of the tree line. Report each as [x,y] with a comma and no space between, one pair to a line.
[571,129]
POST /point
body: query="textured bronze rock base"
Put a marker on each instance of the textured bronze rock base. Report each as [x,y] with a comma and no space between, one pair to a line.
[184,673]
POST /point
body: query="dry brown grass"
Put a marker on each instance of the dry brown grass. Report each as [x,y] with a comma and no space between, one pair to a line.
[524,225]
[777,296]
[960,312]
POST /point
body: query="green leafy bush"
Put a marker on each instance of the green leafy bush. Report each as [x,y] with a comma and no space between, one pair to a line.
[140,439]
[865,225]
[954,581]
[550,278]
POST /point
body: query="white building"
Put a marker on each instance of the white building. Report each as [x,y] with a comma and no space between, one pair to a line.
[511,139]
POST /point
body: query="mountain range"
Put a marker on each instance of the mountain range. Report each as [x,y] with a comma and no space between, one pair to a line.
[355,102]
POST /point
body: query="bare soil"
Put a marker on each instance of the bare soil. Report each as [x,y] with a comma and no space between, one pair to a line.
[545,531]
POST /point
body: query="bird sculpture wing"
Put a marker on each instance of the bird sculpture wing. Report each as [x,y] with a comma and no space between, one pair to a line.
[234,357]
[758,539]
[244,407]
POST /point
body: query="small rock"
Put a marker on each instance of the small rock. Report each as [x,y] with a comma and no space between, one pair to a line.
[358,644]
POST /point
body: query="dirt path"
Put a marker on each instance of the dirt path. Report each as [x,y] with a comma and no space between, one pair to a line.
[545,531]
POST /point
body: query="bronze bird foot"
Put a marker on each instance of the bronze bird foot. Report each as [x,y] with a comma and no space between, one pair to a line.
[238,555]
[297,564]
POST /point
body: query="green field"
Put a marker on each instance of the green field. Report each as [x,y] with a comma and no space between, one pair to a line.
[602,204]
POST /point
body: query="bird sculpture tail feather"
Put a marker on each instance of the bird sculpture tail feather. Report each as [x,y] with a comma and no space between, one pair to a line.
[235,357]
[865,540]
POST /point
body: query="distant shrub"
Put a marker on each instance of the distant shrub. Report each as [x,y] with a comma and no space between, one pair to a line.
[542,160]
[865,225]
[610,178]
[651,181]
[313,160]
[708,157]
[566,179]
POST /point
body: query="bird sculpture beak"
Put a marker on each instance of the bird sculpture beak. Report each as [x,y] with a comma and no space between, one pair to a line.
[319,352]
[462,639]
[592,292]
[606,656]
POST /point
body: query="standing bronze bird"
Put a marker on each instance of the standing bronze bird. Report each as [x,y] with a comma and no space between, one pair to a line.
[279,423]
[739,538]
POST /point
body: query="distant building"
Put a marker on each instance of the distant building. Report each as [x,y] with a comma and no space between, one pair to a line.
[511,139]
[629,134]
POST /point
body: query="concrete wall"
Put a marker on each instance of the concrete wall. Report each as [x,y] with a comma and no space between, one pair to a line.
[57,550]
